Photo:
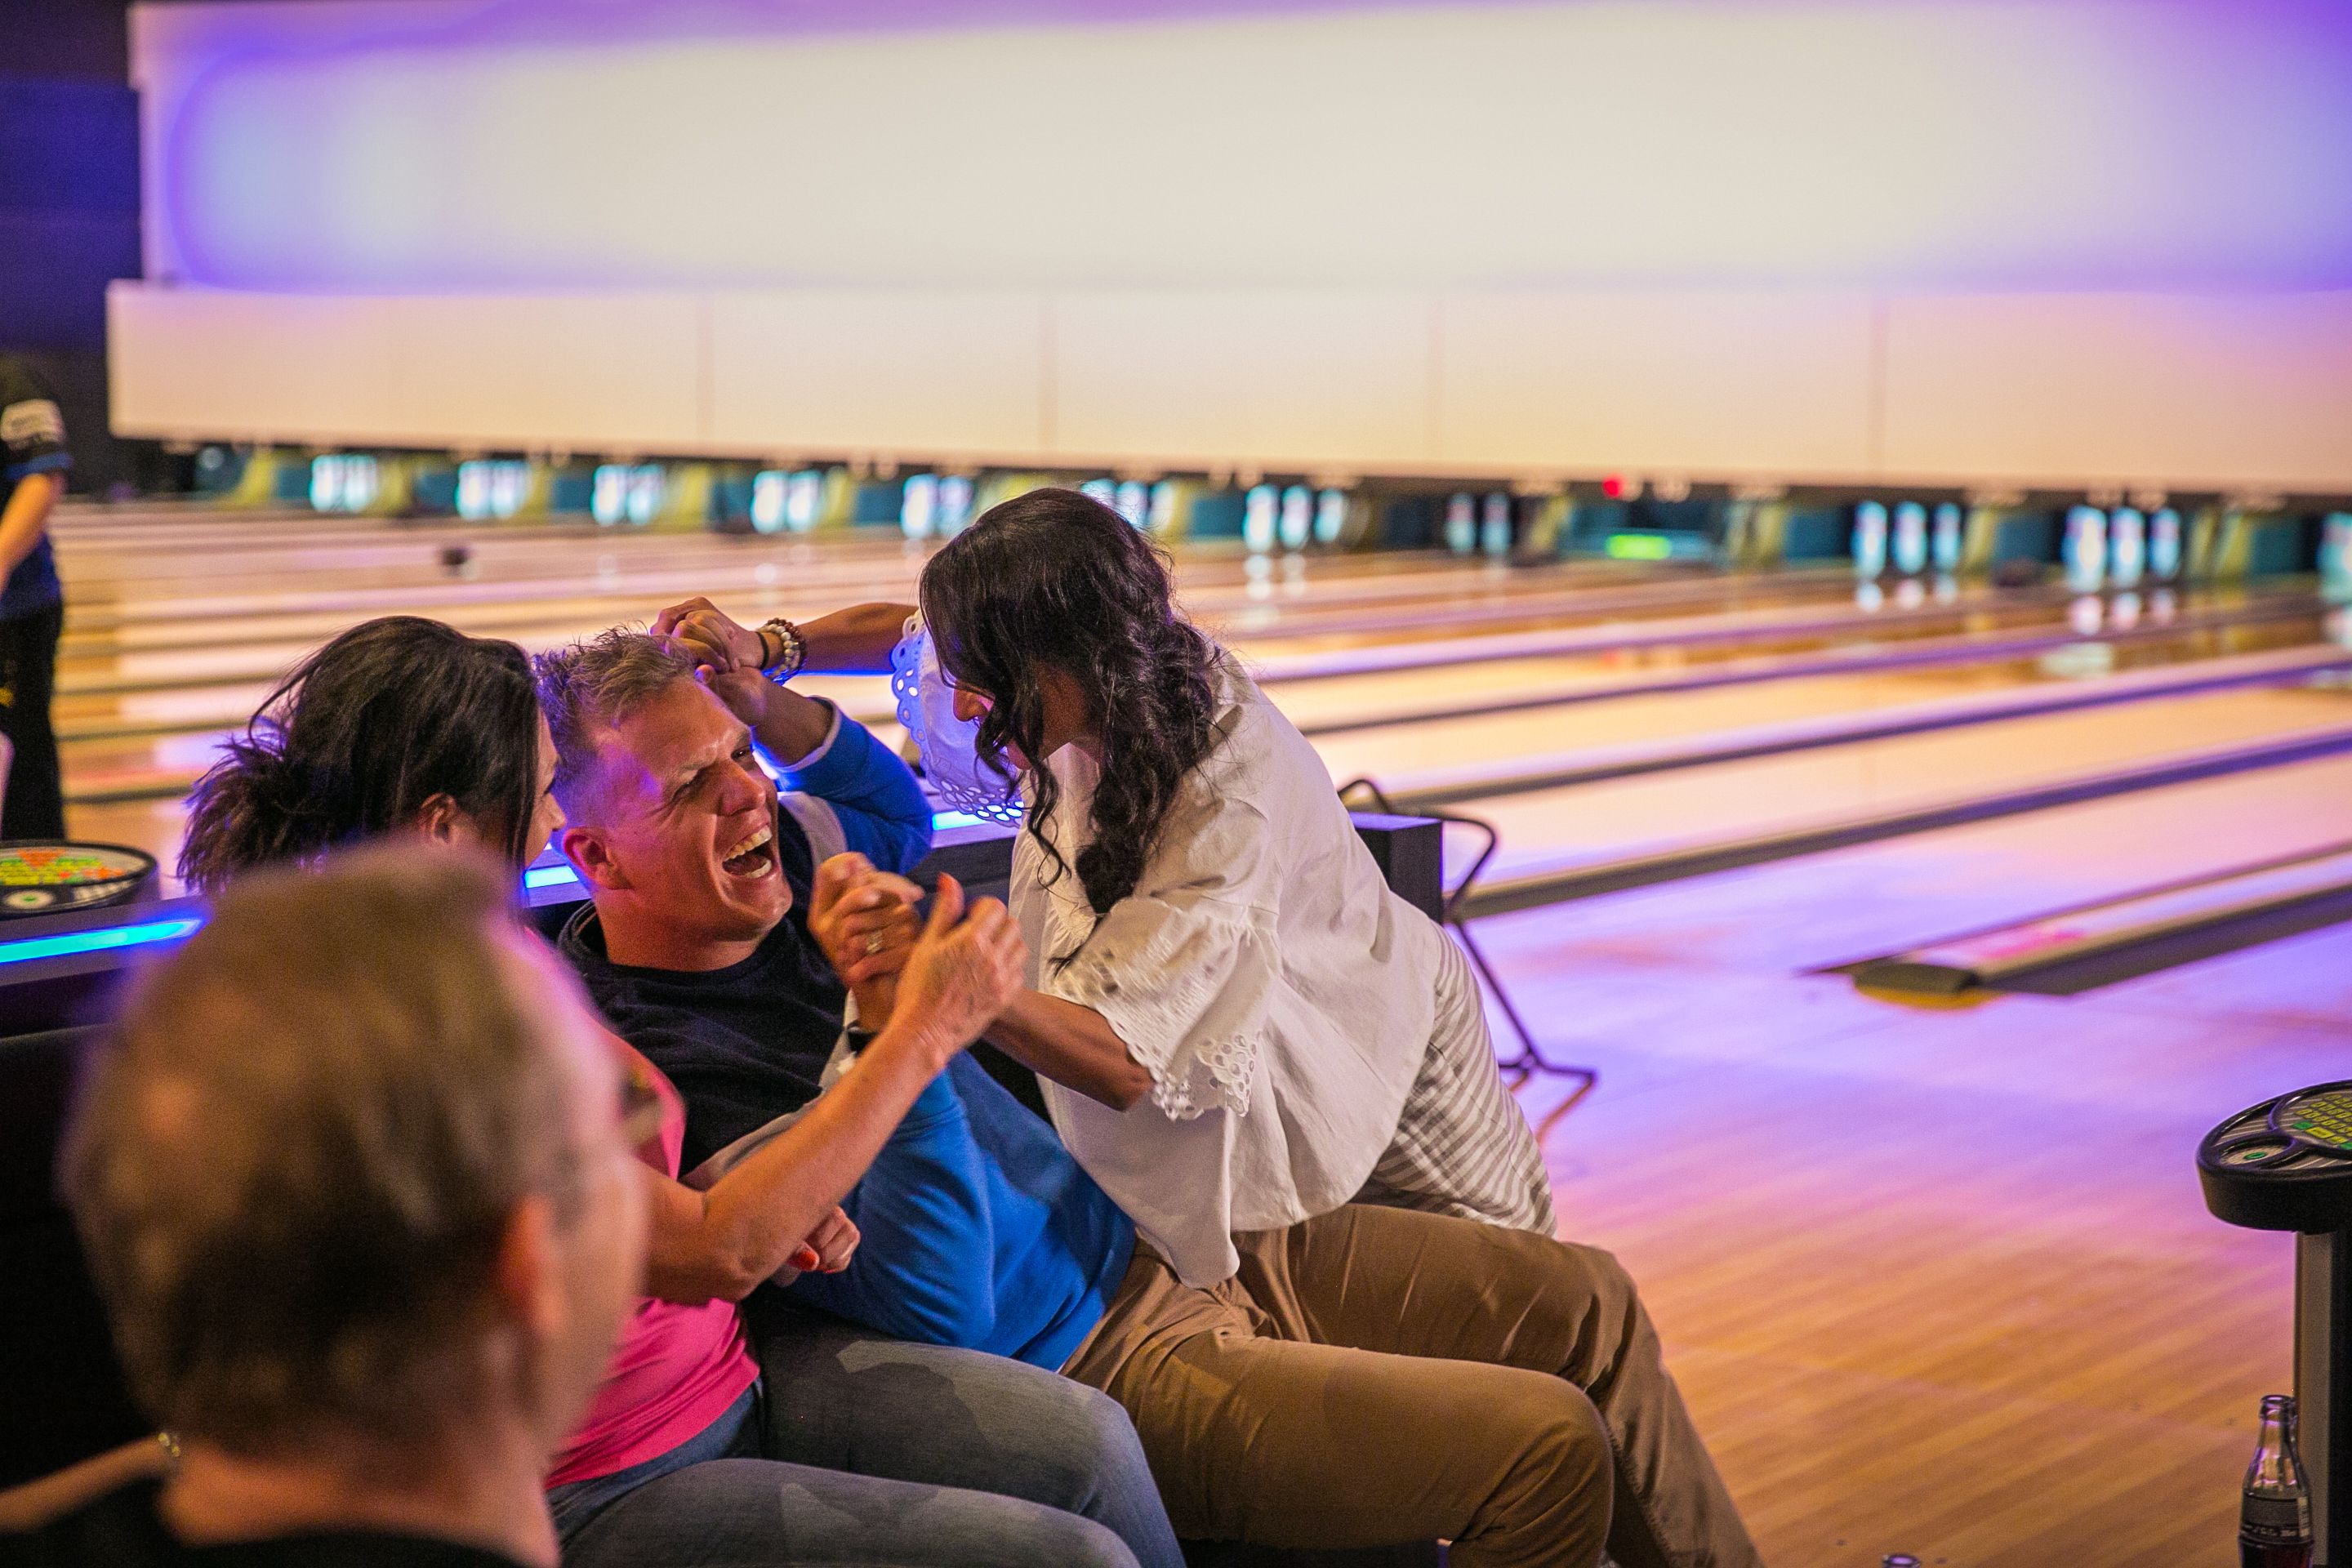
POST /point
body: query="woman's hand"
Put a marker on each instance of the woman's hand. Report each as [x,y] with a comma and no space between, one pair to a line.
[963,970]
[727,656]
[865,924]
[718,643]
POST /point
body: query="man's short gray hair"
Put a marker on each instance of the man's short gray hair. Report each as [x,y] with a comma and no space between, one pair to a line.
[294,1163]
[590,686]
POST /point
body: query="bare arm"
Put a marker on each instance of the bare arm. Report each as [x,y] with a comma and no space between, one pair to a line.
[724,1242]
[27,514]
[729,657]
[34,1503]
[855,641]
[957,975]
[1074,1046]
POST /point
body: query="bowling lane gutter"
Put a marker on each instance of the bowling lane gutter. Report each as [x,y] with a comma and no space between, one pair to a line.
[2045,951]
[1586,880]
[1972,647]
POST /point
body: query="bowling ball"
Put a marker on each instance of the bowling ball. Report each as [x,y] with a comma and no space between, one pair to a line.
[2018,572]
[457,557]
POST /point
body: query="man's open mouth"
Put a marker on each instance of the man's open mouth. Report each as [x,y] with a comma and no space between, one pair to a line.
[755,857]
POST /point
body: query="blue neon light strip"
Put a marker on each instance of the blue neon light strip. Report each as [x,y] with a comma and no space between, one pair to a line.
[27,949]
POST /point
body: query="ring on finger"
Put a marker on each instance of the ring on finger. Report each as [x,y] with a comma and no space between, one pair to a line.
[874,944]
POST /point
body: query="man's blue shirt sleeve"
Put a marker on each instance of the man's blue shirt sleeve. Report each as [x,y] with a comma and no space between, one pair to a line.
[882,812]
[924,1266]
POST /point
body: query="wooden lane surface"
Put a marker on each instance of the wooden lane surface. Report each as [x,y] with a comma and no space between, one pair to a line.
[140,735]
[1588,823]
[1941,1281]
[198,563]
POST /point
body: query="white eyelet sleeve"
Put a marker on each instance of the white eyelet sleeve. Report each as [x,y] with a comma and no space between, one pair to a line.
[1281,997]
[1185,982]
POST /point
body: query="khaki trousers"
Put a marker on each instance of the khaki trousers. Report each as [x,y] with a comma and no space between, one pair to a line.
[1377,1375]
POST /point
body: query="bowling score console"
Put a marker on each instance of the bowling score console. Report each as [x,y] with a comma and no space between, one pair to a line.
[59,961]
[2286,1164]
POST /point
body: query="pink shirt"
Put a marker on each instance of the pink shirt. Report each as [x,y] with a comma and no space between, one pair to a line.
[677,1369]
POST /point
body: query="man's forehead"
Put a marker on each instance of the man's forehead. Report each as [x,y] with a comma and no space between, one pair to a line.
[674,734]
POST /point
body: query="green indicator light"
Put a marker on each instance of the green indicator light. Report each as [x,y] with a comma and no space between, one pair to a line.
[1640,547]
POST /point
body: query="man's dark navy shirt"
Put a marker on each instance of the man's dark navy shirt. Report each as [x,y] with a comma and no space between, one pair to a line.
[980,1229]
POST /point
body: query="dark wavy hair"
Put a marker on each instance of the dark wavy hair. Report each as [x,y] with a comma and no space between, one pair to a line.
[1054,579]
[356,741]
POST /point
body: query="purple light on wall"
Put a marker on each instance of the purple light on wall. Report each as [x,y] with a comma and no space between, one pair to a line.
[2064,143]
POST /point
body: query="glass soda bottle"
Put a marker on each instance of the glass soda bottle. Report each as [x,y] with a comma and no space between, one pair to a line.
[2274,1512]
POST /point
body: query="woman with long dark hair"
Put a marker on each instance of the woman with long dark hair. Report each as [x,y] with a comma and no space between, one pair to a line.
[1212,933]
[399,723]
[405,725]
[1346,1271]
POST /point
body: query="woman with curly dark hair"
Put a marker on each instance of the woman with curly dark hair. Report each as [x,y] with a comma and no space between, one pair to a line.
[1281,1070]
[1212,936]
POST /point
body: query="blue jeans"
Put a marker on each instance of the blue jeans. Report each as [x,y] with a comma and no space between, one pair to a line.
[867,1451]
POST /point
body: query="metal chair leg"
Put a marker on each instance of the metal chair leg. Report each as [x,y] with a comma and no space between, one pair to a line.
[1530,1062]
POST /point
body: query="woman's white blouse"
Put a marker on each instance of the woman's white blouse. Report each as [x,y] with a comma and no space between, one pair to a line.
[1280,995]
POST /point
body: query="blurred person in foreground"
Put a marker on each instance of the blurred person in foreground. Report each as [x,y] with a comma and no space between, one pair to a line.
[406,728]
[33,464]
[355,1187]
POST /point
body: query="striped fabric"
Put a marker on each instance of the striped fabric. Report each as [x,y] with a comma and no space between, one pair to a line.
[1462,1146]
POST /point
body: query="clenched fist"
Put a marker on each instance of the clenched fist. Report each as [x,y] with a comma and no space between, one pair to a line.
[865,924]
[964,970]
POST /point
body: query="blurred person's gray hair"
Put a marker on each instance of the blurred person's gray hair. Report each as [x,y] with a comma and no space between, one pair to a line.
[294,1161]
[589,686]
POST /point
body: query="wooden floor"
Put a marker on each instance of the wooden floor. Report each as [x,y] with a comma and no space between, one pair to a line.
[1934,1281]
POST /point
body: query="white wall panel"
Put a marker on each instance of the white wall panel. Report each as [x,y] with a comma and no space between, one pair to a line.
[574,370]
[198,364]
[1764,384]
[878,371]
[2180,390]
[2187,392]
[1215,376]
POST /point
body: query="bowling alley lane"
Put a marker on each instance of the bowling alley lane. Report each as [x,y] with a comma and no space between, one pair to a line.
[1586,824]
[1613,698]
[1968,1223]
[1822,910]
